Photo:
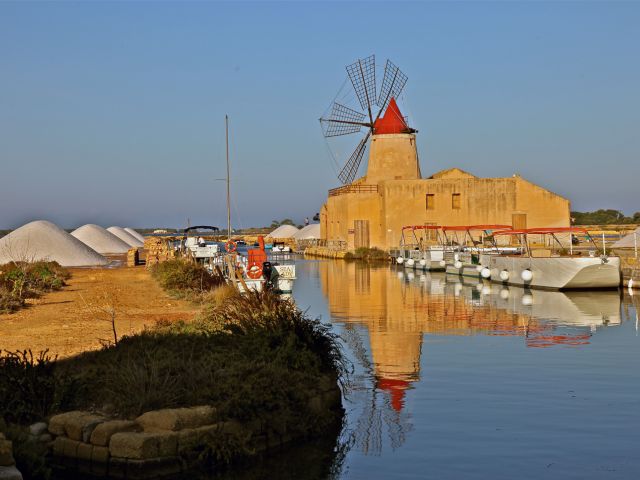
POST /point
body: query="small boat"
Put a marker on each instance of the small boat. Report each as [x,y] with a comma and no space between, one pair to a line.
[464,245]
[280,247]
[542,260]
[424,252]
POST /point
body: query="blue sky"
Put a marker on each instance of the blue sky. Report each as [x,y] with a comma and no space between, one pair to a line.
[113,112]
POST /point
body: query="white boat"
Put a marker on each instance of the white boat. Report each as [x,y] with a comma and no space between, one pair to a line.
[424,253]
[547,262]
[464,245]
[280,247]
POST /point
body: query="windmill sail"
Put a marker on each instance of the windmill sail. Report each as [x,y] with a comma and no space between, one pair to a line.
[362,74]
[342,121]
[392,84]
[350,169]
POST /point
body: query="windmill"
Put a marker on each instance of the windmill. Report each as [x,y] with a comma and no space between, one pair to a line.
[344,120]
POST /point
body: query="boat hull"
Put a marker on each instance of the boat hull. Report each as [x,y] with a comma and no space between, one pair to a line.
[425,260]
[555,273]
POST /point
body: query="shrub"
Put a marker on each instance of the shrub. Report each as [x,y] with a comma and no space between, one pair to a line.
[29,453]
[29,387]
[367,254]
[183,277]
[22,280]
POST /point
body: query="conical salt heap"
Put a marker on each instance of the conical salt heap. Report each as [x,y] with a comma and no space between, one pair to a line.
[134,234]
[43,240]
[125,236]
[100,239]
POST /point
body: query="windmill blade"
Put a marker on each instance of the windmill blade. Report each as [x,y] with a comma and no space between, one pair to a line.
[392,84]
[342,121]
[350,169]
[362,74]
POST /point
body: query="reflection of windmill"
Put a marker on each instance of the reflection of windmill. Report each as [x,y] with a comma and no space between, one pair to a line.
[343,120]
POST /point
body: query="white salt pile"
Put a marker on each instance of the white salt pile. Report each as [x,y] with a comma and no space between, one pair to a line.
[310,232]
[100,239]
[133,233]
[125,236]
[283,231]
[42,240]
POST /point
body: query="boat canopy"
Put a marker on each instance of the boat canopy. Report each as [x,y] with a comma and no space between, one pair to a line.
[476,227]
[542,231]
[421,227]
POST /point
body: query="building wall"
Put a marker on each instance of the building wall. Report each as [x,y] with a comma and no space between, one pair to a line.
[392,195]
[481,201]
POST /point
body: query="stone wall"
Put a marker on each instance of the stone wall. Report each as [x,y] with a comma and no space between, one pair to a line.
[162,443]
[8,470]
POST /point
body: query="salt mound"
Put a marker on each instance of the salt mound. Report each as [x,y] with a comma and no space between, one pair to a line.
[283,231]
[42,240]
[133,233]
[125,236]
[628,241]
[100,239]
[310,232]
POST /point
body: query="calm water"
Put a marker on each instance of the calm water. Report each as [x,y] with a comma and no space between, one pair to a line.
[458,380]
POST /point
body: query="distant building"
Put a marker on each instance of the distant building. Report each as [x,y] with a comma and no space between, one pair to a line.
[371,211]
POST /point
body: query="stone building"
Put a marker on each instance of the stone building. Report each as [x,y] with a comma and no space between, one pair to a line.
[371,211]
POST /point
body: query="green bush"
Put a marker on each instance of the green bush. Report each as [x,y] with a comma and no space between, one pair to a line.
[22,280]
[367,255]
[184,277]
[30,389]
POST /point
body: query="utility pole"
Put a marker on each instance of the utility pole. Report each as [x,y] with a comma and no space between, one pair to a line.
[226,125]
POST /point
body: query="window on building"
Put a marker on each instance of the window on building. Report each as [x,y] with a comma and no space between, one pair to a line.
[431,201]
[455,201]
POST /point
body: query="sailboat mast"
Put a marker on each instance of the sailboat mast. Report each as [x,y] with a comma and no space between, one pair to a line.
[226,125]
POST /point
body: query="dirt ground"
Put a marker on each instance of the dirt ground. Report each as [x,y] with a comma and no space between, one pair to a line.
[72,320]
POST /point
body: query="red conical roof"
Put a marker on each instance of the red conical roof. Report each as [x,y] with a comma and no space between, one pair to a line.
[396,388]
[392,121]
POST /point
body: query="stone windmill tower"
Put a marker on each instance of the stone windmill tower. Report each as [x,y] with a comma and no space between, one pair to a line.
[391,142]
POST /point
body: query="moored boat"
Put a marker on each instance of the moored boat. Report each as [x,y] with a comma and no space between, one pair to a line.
[543,260]
[464,244]
[424,252]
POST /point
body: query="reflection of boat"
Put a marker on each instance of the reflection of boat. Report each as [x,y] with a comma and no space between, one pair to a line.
[464,244]
[548,263]
[280,247]
[424,253]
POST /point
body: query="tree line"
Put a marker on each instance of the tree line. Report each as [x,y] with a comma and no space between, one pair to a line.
[603,217]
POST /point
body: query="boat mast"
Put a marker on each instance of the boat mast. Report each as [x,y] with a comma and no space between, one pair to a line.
[226,128]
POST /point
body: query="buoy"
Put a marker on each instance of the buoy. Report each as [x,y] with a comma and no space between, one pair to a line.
[400,260]
[485,273]
[410,275]
[504,275]
[527,299]
[443,263]
[504,293]
[486,290]
[423,262]
[231,246]
[411,262]
[457,264]
[527,275]
[456,256]
[254,271]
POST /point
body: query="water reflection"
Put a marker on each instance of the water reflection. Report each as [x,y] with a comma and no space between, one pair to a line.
[386,314]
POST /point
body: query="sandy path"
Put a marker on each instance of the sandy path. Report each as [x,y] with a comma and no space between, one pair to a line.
[64,322]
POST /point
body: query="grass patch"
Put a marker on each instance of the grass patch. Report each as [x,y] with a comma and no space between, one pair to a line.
[367,255]
[255,357]
[22,280]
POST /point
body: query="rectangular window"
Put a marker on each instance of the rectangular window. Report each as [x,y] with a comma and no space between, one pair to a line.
[455,201]
[431,201]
